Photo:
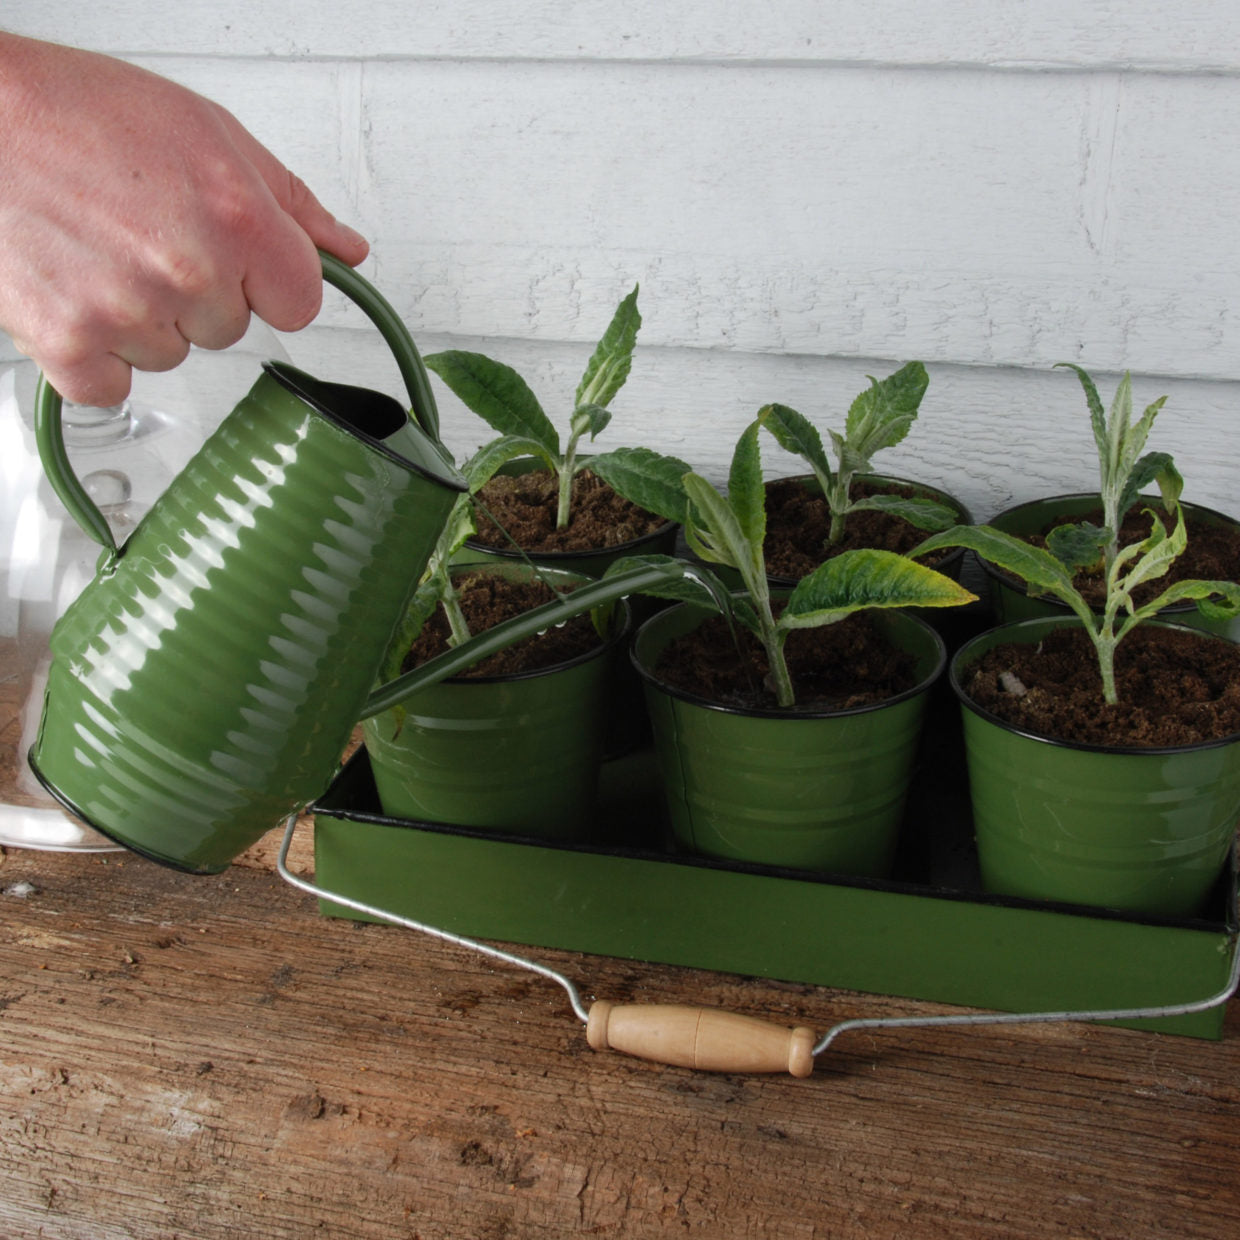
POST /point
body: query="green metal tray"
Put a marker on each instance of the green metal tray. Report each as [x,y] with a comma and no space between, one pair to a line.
[928,933]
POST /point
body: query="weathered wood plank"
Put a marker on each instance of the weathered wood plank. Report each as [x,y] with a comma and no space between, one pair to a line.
[206,1057]
[1053,33]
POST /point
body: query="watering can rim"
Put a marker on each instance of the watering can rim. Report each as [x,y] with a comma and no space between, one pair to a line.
[292,378]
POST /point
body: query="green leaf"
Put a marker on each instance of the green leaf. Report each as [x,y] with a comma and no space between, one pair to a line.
[856,580]
[421,607]
[1157,553]
[486,462]
[497,394]
[589,418]
[1097,417]
[1035,566]
[1153,466]
[1217,600]
[925,514]
[1135,439]
[647,478]
[1079,545]
[608,368]
[795,433]
[711,528]
[881,417]
[746,493]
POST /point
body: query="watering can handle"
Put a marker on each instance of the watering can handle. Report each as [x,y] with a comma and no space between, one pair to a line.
[702,1038]
[49,434]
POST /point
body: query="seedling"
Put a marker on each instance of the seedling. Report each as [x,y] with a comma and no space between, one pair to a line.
[1069,548]
[729,530]
[503,399]
[878,418]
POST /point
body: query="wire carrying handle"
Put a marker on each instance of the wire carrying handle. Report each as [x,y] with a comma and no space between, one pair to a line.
[711,1040]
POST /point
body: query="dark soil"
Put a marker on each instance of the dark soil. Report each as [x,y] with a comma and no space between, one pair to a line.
[1175,688]
[486,599]
[1212,553]
[798,522]
[839,667]
[525,506]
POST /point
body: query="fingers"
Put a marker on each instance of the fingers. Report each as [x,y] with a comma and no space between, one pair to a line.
[285,285]
[104,380]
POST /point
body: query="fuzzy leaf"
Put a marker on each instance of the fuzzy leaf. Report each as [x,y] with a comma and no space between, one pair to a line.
[1097,417]
[711,528]
[925,514]
[486,462]
[608,368]
[746,493]
[497,394]
[856,580]
[881,417]
[1217,600]
[647,478]
[589,418]
[425,599]
[795,433]
[1157,553]
[1079,545]
[1036,567]
[1153,466]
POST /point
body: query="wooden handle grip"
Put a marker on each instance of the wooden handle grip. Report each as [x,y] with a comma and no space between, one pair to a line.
[703,1038]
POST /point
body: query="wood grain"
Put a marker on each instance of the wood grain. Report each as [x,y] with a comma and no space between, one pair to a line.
[206,1057]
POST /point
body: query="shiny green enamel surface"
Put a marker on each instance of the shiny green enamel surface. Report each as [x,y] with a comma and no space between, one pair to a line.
[516,753]
[1009,599]
[206,681]
[821,792]
[639,902]
[1144,832]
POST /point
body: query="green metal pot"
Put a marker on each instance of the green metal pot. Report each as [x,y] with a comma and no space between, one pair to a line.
[627,726]
[517,753]
[1144,831]
[802,789]
[1011,601]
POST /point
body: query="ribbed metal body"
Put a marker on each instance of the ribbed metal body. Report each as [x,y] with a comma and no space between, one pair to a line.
[205,683]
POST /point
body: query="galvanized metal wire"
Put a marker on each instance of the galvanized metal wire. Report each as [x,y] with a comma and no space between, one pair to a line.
[962,1020]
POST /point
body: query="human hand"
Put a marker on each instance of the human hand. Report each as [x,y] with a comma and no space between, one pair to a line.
[138,218]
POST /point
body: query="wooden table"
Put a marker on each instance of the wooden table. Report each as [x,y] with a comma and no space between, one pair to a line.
[207,1057]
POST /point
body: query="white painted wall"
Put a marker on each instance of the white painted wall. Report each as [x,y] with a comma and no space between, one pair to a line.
[807,192]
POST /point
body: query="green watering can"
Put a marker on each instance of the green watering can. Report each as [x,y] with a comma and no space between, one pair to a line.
[206,681]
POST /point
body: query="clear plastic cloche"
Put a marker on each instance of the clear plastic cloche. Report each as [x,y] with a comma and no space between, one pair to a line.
[125,457]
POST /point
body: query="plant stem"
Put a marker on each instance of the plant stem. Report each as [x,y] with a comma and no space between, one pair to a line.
[568,467]
[837,505]
[451,602]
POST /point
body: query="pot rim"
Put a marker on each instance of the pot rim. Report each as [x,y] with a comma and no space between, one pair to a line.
[754,712]
[953,556]
[1010,582]
[568,557]
[1060,622]
[620,630]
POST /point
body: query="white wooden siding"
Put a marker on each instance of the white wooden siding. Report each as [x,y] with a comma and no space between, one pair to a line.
[807,193]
